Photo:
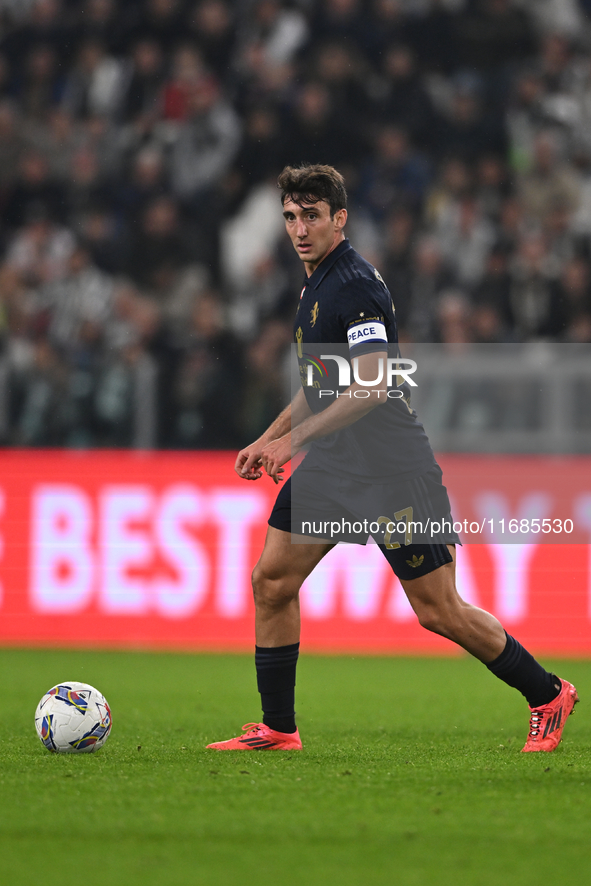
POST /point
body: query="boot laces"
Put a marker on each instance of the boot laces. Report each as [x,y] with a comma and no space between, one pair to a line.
[251,727]
[535,722]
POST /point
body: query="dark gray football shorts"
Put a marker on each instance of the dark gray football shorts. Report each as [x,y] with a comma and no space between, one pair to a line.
[410,520]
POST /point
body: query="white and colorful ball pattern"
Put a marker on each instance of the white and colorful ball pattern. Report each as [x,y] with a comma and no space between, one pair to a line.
[73,718]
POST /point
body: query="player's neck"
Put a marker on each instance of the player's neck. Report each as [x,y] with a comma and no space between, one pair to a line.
[311,266]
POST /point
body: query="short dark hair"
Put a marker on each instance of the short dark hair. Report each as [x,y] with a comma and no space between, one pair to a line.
[313,183]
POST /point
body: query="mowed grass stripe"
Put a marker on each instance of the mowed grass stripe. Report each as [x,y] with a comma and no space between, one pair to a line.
[411,774]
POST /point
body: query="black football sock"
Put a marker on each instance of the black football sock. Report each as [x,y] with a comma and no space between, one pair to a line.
[276,677]
[516,667]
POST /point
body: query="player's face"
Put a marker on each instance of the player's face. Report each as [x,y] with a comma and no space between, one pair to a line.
[312,231]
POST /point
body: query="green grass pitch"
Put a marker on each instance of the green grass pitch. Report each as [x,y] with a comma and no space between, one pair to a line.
[411,774]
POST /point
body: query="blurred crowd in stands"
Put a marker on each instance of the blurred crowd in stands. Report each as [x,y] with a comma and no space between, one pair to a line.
[147,289]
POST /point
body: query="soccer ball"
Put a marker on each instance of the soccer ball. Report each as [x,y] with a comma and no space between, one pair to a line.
[73,718]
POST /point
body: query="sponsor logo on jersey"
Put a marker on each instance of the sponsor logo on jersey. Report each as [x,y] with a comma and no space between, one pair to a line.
[299,339]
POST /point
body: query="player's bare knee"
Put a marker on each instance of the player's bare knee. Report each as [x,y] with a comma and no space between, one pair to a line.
[273,597]
[261,584]
[257,577]
[430,619]
[450,619]
[272,592]
[437,618]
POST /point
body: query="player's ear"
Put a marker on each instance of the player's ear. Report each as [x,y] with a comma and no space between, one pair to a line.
[340,219]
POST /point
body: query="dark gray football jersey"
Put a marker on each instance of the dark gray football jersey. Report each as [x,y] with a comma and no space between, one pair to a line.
[346,303]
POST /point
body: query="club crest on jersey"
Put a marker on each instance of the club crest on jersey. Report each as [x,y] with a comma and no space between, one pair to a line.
[314,315]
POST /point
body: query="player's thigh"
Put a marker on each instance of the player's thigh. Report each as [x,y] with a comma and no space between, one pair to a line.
[435,590]
[288,556]
[428,575]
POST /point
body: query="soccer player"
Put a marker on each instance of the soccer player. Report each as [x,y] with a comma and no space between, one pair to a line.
[345,301]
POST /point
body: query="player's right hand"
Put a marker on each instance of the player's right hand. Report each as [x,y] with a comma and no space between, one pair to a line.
[248,463]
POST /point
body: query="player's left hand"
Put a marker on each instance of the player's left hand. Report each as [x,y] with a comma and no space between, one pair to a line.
[276,454]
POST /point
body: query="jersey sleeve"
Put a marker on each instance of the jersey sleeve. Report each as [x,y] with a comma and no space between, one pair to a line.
[367,317]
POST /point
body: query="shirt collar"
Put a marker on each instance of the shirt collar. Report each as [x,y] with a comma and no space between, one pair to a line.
[326,264]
